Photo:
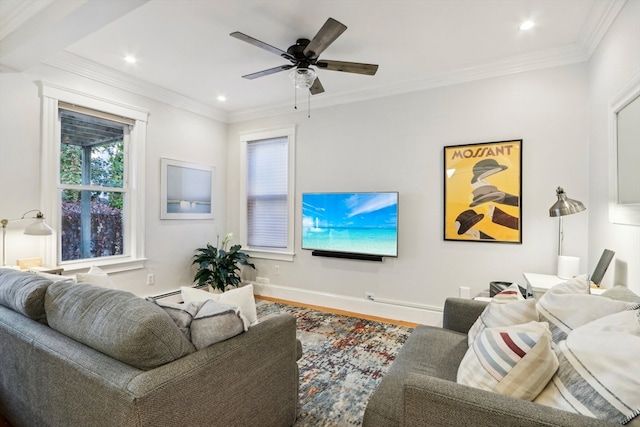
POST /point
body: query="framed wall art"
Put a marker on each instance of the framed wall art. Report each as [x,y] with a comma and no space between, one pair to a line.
[186,190]
[483,192]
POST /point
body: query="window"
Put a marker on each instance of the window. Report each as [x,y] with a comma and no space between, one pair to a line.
[268,193]
[93,180]
[93,192]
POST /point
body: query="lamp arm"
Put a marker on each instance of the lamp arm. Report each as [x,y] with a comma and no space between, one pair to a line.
[38,215]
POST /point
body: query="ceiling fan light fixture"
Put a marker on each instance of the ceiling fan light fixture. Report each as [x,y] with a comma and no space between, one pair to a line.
[302,78]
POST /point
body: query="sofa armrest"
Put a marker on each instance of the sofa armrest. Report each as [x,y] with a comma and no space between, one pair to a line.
[430,401]
[460,314]
[250,379]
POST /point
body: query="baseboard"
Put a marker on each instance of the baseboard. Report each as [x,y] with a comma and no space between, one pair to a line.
[388,309]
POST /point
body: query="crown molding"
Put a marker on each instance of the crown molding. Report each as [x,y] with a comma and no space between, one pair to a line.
[17,13]
[517,64]
[600,18]
[91,70]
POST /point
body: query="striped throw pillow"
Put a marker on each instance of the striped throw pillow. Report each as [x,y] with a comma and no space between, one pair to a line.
[569,305]
[515,361]
[500,314]
[599,373]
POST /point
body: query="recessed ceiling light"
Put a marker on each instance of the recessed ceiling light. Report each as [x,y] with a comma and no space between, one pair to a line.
[130,59]
[222,98]
[527,25]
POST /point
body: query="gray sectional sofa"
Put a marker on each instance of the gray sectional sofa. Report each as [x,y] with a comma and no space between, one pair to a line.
[420,388]
[128,364]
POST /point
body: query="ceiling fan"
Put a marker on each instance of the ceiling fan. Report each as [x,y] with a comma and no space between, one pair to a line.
[305,53]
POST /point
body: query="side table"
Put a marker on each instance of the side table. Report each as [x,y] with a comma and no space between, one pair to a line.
[541,283]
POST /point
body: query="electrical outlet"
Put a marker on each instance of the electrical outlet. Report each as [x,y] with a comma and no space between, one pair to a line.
[276,269]
[151,279]
[370,295]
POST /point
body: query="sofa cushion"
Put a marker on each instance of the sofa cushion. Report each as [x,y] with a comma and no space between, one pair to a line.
[24,292]
[599,373]
[116,323]
[516,360]
[569,305]
[215,322]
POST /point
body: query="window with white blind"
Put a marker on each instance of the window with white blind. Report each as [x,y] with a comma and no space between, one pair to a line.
[267,202]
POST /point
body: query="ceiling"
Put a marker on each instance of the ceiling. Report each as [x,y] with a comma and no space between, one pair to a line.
[185,56]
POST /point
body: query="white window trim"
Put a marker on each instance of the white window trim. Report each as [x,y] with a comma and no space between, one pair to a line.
[289,132]
[50,175]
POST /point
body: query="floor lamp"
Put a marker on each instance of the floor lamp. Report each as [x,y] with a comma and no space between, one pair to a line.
[38,228]
[562,207]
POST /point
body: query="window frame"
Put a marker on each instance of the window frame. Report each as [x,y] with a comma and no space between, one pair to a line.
[134,239]
[288,253]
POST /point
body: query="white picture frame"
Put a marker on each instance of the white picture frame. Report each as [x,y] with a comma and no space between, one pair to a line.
[186,190]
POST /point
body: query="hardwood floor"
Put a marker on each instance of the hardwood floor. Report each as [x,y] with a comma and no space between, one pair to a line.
[341,312]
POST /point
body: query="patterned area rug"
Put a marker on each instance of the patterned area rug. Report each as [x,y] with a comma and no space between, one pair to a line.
[343,360]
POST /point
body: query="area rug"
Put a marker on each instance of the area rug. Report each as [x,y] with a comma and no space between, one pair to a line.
[343,360]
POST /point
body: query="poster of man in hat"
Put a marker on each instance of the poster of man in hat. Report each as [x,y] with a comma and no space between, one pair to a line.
[482,192]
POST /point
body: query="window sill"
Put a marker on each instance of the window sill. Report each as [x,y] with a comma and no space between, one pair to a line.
[267,254]
[109,265]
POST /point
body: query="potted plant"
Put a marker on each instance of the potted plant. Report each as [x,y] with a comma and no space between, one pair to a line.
[218,267]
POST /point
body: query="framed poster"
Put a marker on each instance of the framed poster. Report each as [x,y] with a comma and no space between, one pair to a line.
[186,190]
[483,192]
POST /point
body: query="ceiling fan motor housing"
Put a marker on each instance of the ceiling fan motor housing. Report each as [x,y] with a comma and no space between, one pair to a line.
[297,51]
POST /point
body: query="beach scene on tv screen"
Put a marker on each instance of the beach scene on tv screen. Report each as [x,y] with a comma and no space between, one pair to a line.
[364,223]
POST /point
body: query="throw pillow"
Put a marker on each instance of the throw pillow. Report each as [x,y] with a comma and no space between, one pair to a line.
[215,322]
[117,323]
[599,373]
[95,276]
[510,294]
[621,293]
[516,361]
[500,314]
[181,314]
[241,297]
[569,305]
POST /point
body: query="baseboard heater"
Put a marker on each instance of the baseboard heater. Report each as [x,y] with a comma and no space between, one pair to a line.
[347,255]
[173,293]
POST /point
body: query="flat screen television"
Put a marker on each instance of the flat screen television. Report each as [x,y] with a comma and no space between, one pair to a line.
[350,224]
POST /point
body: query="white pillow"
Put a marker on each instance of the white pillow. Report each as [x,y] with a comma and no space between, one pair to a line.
[240,297]
[500,314]
[510,294]
[195,295]
[95,276]
[515,361]
[569,305]
[599,374]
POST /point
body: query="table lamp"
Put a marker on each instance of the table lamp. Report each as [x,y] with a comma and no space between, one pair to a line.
[38,228]
[565,206]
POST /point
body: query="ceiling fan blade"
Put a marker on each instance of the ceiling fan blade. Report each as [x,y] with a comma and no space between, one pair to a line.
[267,72]
[348,67]
[316,87]
[327,35]
[245,38]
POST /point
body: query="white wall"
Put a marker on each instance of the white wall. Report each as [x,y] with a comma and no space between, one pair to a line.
[612,66]
[171,132]
[393,143]
[396,143]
